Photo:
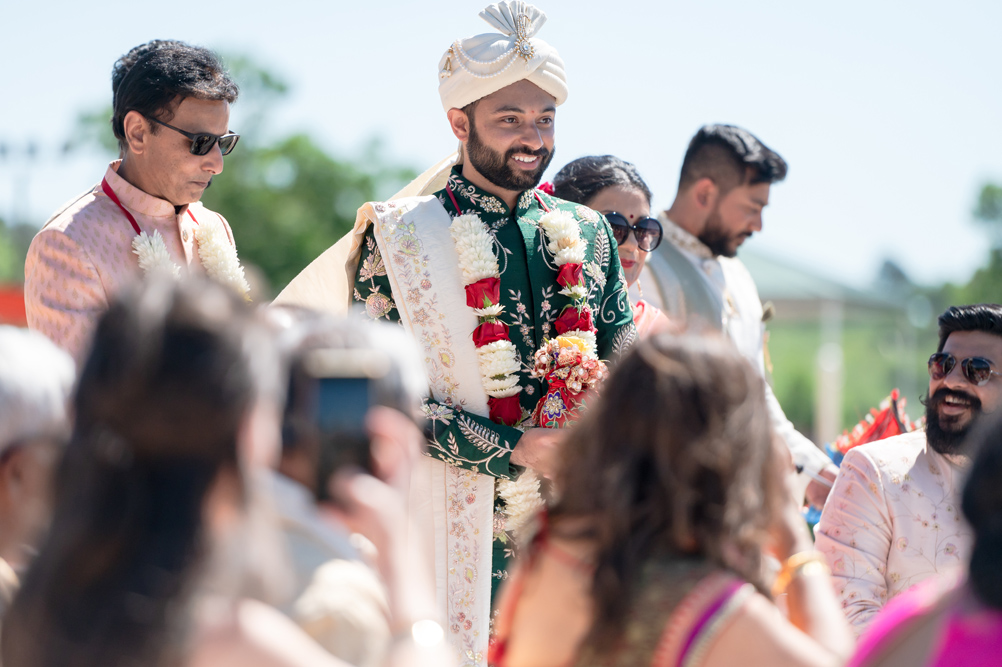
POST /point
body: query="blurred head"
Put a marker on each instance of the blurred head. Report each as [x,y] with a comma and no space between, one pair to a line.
[508,136]
[185,86]
[36,379]
[610,185]
[177,389]
[982,507]
[675,460]
[963,374]
[726,175]
[400,386]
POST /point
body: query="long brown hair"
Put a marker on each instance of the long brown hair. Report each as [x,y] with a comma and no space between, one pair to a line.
[676,459]
[171,376]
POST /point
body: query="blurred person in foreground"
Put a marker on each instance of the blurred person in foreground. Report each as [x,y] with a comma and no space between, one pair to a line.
[654,553]
[36,379]
[892,519]
[338,597]
[160,533]
[614,188]
[723,187]
[171,110]
[945,622]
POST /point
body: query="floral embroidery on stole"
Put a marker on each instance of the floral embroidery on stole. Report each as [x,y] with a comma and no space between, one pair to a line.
[421,263]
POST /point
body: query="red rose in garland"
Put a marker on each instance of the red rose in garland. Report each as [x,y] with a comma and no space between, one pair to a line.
[488,332]
[483,293]
[573,319]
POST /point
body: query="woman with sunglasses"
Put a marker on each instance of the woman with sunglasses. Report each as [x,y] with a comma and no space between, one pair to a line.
[613,187]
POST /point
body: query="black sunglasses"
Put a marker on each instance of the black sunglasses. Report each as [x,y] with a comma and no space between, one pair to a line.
[977,370]
[202,142]
[647,230]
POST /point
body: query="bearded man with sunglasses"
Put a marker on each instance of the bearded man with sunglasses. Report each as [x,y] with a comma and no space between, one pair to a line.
[893,520]
[171,109]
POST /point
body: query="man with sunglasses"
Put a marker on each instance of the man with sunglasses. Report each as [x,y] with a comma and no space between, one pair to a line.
[892,520]
[724,185]
[171,109]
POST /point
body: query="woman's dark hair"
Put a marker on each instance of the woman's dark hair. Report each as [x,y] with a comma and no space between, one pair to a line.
[982,506]
[153,78]
[986,317]
[170,378]
[585,177]
[676,460]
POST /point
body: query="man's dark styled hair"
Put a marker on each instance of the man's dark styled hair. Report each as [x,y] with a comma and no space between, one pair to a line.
[579,181]
[155,77]
[985,317]
[730,156]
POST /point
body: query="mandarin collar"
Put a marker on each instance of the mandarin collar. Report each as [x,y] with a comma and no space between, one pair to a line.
[467,194]
[683,240]
[136,200]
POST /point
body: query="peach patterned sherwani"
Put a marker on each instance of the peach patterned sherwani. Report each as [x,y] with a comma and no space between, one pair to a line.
[83,256]
[892,521]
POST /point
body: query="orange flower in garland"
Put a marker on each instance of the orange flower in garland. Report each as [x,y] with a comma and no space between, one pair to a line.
[568,363]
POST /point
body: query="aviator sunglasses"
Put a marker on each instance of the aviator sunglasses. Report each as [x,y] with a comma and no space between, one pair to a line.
[647,230]
[977,370]
[202,142]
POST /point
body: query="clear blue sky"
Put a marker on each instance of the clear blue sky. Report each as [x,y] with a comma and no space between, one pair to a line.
[889,113]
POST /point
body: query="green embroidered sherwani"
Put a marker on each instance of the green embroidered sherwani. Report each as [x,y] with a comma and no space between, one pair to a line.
[529,294]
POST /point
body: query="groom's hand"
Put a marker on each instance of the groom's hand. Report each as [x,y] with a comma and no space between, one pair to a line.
[539,449]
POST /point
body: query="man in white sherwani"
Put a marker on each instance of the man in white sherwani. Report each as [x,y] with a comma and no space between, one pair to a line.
[723,188]
[893,519]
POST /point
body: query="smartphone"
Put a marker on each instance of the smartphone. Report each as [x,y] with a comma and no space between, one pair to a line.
[343,389]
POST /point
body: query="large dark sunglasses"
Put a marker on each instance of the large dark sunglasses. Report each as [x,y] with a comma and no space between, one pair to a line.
[647,230]
[977,370]
[202,142]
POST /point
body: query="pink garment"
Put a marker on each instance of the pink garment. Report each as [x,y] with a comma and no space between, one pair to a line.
[645,316]
[967,633]
[83,256]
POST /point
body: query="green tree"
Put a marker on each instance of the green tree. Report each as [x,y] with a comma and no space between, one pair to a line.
[14,242]
[287,200]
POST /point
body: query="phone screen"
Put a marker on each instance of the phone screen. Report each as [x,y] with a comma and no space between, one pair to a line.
[341,406]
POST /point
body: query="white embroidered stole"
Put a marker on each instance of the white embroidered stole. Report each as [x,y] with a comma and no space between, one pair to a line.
[423,268]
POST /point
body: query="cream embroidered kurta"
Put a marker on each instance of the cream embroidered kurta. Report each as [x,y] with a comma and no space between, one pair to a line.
[83,256]
[740,307]
[891,521]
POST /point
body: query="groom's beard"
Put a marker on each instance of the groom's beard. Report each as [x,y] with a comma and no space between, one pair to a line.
[493,165]
[947,435]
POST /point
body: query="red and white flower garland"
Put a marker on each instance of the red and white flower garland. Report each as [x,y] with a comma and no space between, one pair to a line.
[498,358]
[482,280]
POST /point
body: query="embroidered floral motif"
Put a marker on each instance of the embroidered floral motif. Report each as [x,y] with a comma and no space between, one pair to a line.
[586,214]
[378,305]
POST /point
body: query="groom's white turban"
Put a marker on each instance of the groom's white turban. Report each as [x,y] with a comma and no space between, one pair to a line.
[477,66]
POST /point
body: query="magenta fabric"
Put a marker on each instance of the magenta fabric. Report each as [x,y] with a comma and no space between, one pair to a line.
[970,633]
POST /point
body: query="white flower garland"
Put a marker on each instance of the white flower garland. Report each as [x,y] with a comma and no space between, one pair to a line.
[475,247]
[563,236]
[153,255]
[219,257]
[217,254]
[522,501]
[499,365]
